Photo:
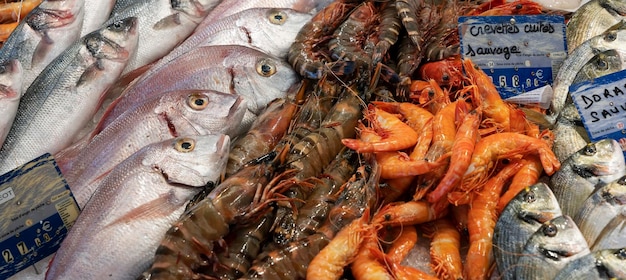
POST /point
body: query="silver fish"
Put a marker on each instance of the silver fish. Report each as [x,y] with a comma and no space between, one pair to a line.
[604,264]
[612,38]
[555,244]
[228,8]
[613,235]
[519,220]
[598,162]
[258,77]
[97,12]
[600,208]
[10,87]
[601,64]
[592,19]
[67,93]
[163,24]
[188,112]
[44,33]
[118,231]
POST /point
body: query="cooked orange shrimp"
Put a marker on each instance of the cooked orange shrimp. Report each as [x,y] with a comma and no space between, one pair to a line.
[6,29]
[397,165]
[408,213]
[445,246]
[330,261]
[528,175]
[462,150]
[494,108]
[447,72]
[394,134]
[402,245]
[429,94]
[482,221]
[15,11]
[365,266]
[417,118]
[505,145]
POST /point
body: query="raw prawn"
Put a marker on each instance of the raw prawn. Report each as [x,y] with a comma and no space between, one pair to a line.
[388,32]
[349,40]
[447,72]
[408,213]
[493,107]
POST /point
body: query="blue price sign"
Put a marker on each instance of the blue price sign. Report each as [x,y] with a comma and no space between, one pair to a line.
[519,53]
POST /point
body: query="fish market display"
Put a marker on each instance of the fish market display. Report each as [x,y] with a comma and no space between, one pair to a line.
[75,81]
[315,139]
[134,206]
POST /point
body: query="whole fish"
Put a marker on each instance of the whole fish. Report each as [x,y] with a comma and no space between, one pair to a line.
[258,77]
[592,19]
[519,220]
[10,87]
[118,231]
[186,112]
[226,9]
[612,38]
[613,235]
[97,12]
[67,93]
[598,162]
[44,33]
[606,203]
[163,24]
[604,264]
[553,246]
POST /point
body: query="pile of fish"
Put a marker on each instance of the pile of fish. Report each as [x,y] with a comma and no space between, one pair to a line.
[310,139]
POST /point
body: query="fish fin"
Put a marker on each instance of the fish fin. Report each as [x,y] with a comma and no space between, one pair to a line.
[91,73]
[160,206]
[542,120]
[167,22]
[42,49]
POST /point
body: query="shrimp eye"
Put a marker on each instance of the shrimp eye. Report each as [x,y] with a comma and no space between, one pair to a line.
[445,77]
[530,197]
[550,230]
[265,67]
[185,145]
[590,149]
[519,6]
[622,181]
[198,101]
[621,253]
[611,36]
[277,17]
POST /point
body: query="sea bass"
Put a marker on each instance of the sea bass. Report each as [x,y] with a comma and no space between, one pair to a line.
[592,19]
[45,33]
[135,205]
[97,12]
[612,38]
[10,87]
[606,203]
[186,112]
[597,162]
[258,77]
[555,244]
[67,93]
[519,220]
[163,24]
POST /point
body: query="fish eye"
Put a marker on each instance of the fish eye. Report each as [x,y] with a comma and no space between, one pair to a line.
[611,36]
[185,145]
[265,67]
[530,197]
[277,17]
[197,101]
[621,253]
[550,230]
[590,149]
[601,64]
[622,181]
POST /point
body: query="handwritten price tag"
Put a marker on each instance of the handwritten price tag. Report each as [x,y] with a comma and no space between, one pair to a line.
[602,106]
[519,53]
